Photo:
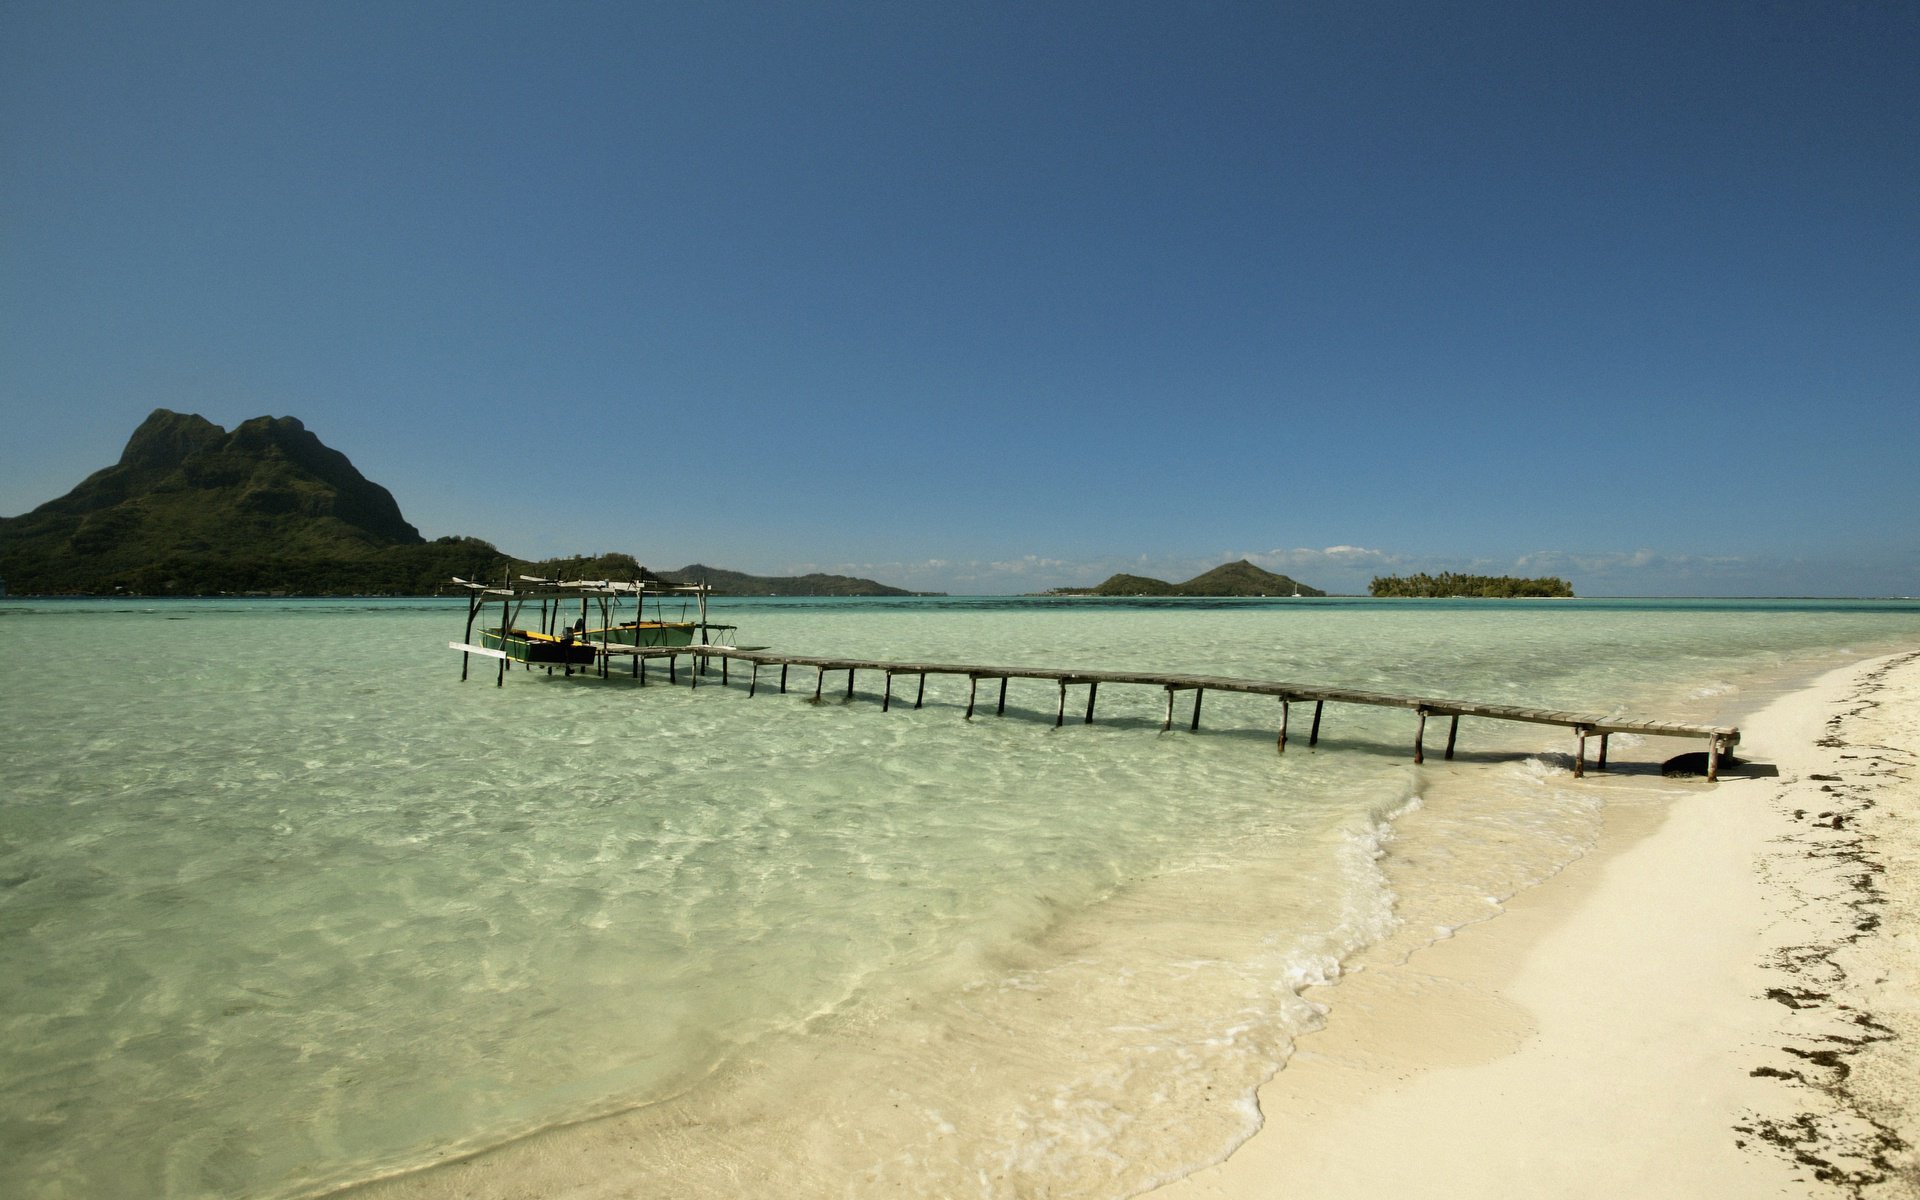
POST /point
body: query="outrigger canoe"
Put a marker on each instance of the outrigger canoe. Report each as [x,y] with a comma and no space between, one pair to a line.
[538,649]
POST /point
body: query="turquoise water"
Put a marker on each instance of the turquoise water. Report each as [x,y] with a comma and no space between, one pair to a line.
[284,905]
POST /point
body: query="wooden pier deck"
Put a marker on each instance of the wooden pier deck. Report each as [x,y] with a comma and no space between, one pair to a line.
[1720,739]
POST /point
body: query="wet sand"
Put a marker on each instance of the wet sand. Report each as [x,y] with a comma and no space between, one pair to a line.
[1722,1000]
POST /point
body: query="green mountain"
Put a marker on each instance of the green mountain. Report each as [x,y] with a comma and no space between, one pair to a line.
[185,484]
[738,583]
[191,509]
[1130,585]
[1244,579]
[1231,579]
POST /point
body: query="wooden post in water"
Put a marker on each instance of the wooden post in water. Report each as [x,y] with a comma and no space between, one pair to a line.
[1580,751]
[1280,744]
[1168,723]
[849,683]
[1453,728]
[783,679]
[1060,719]
[1601,762]
[753,684]
[1001,710]
[1419,738]
[1713,758]
[1199,694]
[819,681]
[922,693]
[473,609]
[1093,689]
[723,670]
[1313,735]
[506,627]
[886,701]
[973,683]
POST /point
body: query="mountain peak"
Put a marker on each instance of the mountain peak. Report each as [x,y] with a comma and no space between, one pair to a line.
[1239,578]
[166,438]
[185,488]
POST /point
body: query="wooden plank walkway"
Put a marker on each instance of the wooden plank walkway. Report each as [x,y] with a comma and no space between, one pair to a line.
[1720,739]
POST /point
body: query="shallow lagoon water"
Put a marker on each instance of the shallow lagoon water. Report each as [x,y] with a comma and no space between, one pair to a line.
[285,905]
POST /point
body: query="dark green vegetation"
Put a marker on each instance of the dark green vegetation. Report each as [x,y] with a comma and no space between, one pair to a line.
[1447,583]
[1232,579]
[191,509]
[735,583]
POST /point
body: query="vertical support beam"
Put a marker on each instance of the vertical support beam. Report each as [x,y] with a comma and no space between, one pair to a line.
[1713,759]
[783,679]
[1601,763]
[640,662]
[922,693]
[1168,723]
[1313,735]
[849,683]
[886,701]
[1453,730]
[753,684]
[724,660]
[819,681]
[473,610]
[1420,738]
[1280,744]
[506,627]
[1001,711]
[973,683]
[673,668]
[1199,694]
[1093,689]
[1061,718]
[1580,751]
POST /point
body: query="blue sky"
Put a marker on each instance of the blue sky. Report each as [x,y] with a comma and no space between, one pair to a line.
[991,298]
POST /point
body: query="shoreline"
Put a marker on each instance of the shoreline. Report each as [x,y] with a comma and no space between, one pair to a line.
[1712,1002]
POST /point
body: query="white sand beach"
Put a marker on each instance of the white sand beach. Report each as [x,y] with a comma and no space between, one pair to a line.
[1723,1000]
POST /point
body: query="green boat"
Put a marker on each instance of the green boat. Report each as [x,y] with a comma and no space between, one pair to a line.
[538,649]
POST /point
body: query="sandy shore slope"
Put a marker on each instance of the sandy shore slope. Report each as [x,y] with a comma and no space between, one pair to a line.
[1722,1001]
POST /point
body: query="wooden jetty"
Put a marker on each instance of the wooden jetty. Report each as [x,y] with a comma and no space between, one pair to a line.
[1720,739]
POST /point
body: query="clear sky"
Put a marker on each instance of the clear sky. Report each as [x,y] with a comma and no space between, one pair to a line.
[990,297]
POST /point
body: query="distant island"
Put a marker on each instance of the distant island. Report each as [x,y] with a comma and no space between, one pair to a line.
[269,509]
[1449,584]
[1240,578]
